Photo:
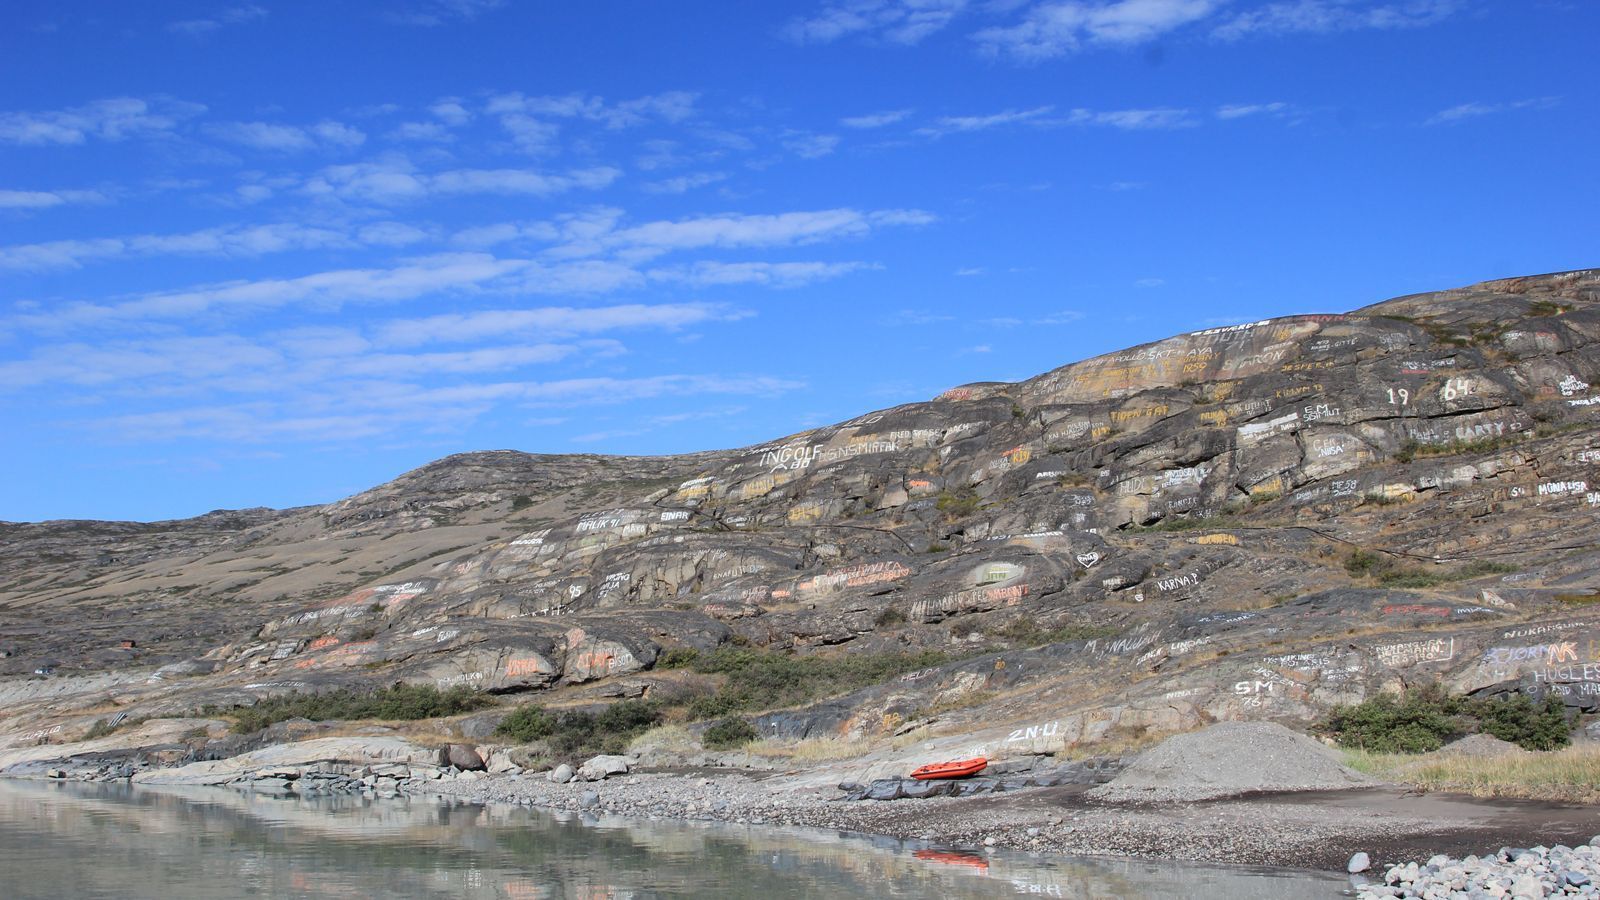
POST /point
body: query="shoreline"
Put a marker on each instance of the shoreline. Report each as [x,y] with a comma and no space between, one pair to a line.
[1311,830]
[1302,829]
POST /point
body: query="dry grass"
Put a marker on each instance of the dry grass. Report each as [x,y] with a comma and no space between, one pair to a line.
[1571,774]
[671,738]
[811,750]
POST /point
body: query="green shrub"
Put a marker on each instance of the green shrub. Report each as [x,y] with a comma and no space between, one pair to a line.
[1533,726]
[728,734]
[1367,564]
[526,724]
[677,658]
[572,734]
[399,701]
[758,679]
[1363,563]
[959,504]
[1414,722]
[1028,633]
[888,617]
[1426,718]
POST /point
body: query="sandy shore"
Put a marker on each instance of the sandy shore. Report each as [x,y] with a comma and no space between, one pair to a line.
[1307,830]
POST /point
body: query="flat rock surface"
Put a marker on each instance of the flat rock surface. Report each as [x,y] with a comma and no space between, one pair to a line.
[337,749]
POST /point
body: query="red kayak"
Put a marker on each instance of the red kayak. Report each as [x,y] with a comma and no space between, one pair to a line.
[960,768]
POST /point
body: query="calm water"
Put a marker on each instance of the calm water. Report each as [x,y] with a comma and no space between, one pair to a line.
[88,841]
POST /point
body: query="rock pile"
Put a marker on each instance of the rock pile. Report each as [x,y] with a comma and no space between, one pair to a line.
[1227,760]
[1538,872]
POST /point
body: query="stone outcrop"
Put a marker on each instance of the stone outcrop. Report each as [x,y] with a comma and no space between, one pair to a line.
[1255,521]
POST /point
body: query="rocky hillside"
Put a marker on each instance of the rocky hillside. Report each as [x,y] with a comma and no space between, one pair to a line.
[1254,521]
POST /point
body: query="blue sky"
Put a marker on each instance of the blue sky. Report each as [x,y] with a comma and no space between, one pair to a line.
[273,254]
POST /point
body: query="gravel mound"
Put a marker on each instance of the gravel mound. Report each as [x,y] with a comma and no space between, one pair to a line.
[1229,759]
[1482,745]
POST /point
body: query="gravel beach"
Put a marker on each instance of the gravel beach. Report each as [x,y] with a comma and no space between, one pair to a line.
[1309,830]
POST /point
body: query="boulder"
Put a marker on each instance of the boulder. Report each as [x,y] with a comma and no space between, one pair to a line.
[464,758]
[601,767]
[561,774]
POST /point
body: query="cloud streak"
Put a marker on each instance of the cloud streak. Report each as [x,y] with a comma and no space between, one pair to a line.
[1466,111]
[114,119]
[1050,30]
[895,21]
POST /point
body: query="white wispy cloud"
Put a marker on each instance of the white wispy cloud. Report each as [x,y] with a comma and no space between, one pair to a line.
[369,409]
[279,138]
[708,273]
[233,15]
[1243,110]
[237,364]
[954,124]
[896,21]
[429,13]
[421,131]
[655,423]
[442,273]
[732,230]
[114,119]
[47,199]
[876,120]
[1322,16]
[532,121]
[811,146]
[451,111]
[234,241]
[683,183]
[1134,119]
[552,321]
[1466,111]
[1047,117]
[1054,29]
[398,181]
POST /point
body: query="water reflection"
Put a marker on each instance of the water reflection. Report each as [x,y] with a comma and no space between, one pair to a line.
[94,841]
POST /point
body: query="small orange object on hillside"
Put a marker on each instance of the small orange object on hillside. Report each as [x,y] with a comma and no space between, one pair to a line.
[960,768]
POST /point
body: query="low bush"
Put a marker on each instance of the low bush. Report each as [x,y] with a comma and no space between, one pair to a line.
[572,734]
[729,734]
[1520,720]
[759,679]
[959,504]
[1389,573]
[888,617]
[399,701]
[1426,718]
[1028,633]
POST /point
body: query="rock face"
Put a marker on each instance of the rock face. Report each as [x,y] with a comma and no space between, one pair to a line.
[1248,522]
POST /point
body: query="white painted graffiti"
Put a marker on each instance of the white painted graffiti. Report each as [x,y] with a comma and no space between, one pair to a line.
[1413,652]
[1550,488]
[1033,732]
